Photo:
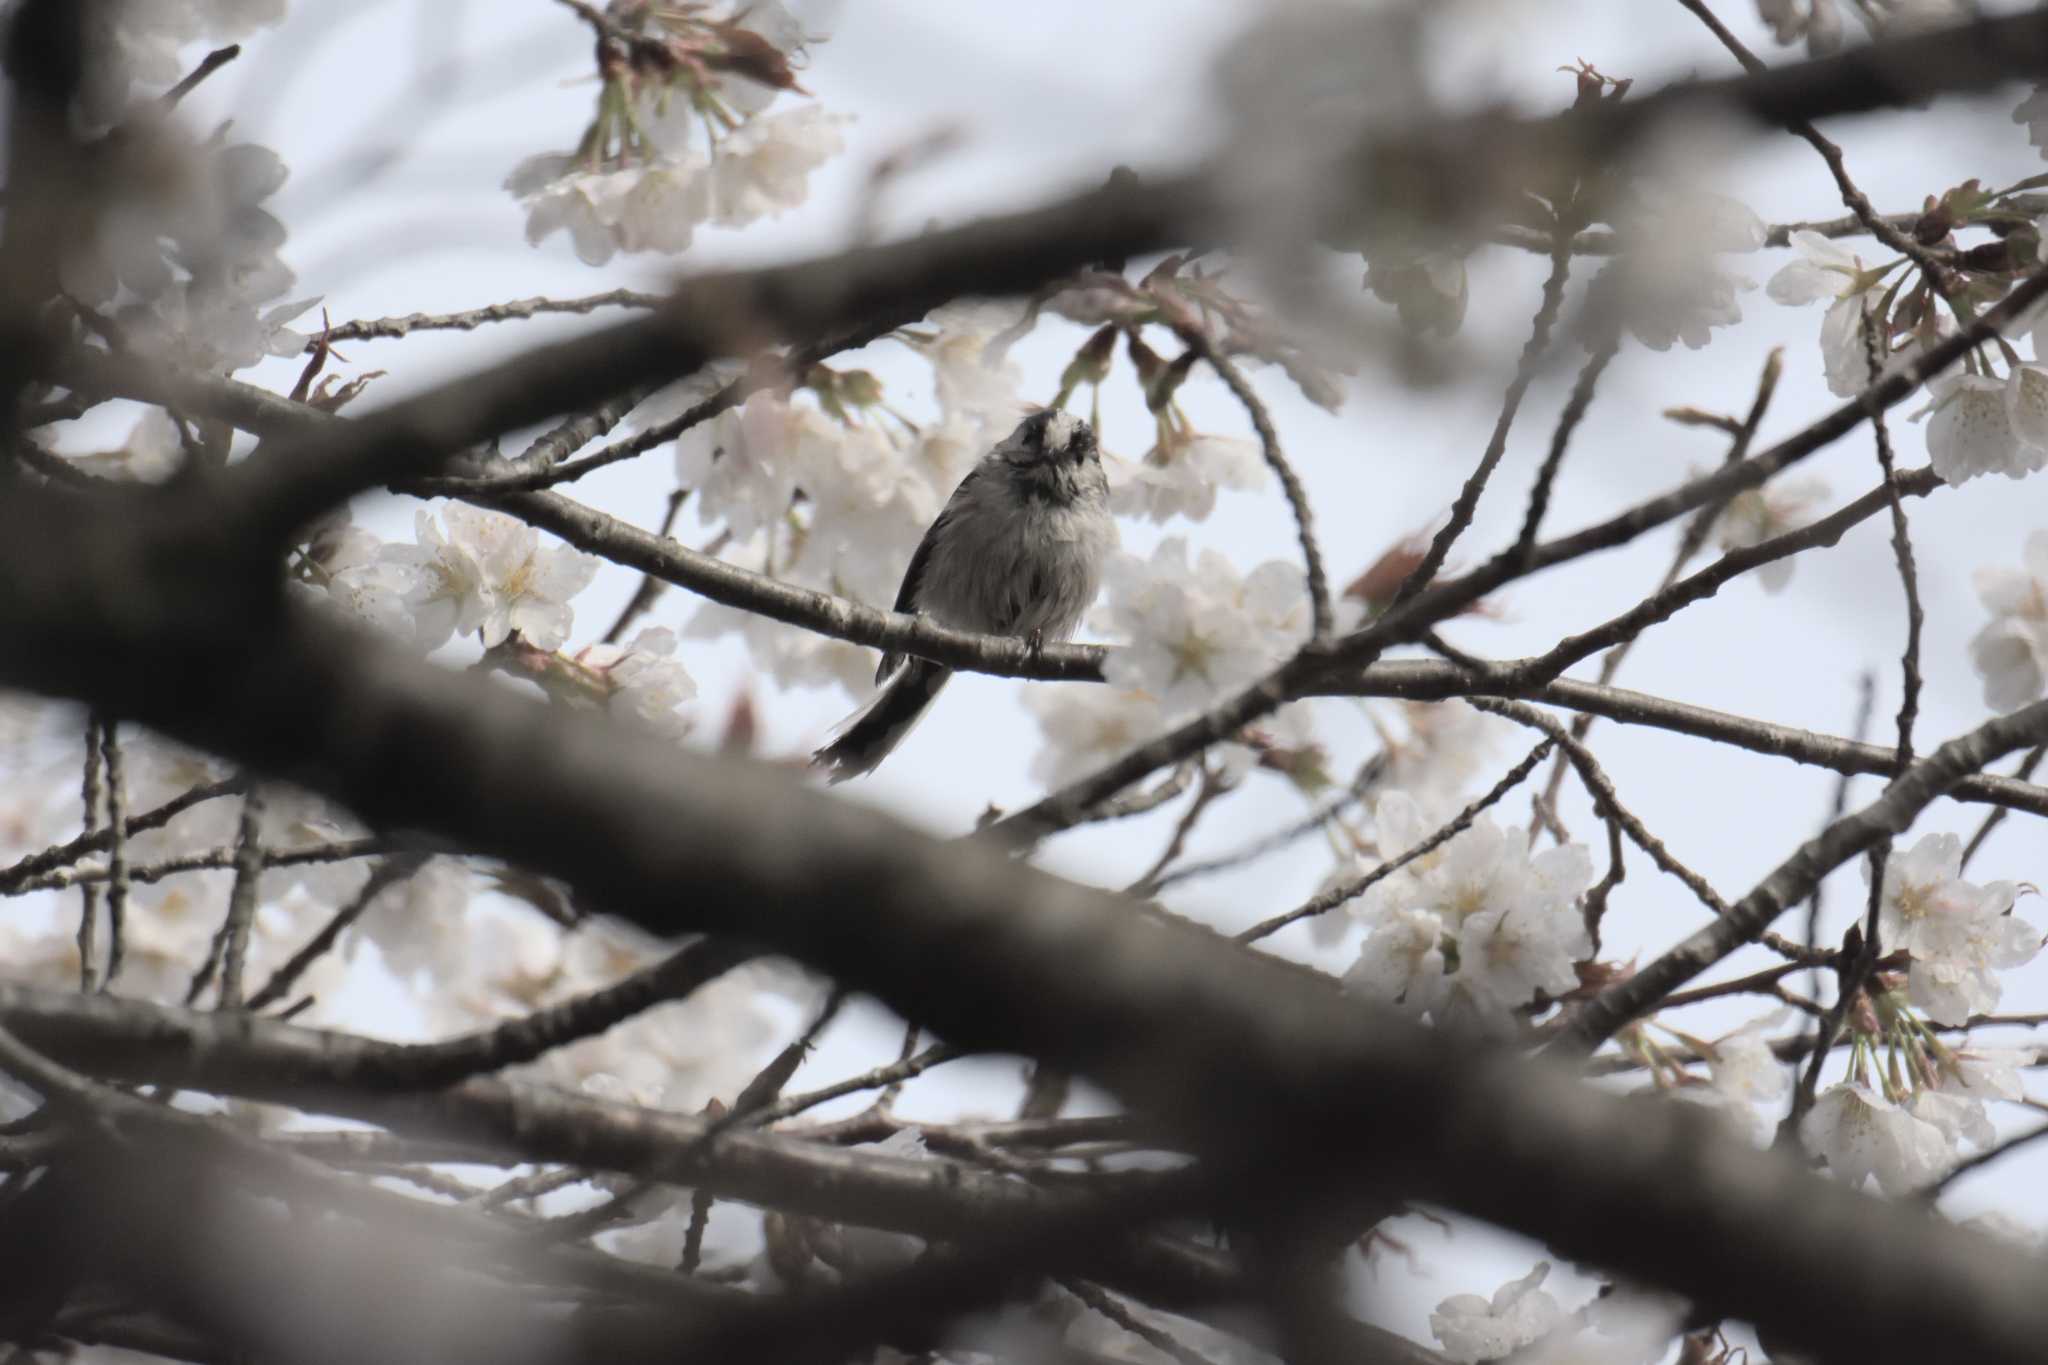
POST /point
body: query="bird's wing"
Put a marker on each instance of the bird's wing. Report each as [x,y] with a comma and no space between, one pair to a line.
[913,577]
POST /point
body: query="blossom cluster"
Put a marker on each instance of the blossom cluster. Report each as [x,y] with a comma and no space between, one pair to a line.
[1902,1124]
[181,264]
[673,78]
[1190,633]
[1960,934]
[1475,929]
[1524,1321]
[130,43]
[1818,23]
[476,573]
[1901,1119]
[468,572]
[1978,423]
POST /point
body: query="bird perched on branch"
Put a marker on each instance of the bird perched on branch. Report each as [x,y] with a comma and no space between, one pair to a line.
[1018,550]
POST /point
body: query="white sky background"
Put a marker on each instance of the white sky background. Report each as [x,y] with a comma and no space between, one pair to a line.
[438,99]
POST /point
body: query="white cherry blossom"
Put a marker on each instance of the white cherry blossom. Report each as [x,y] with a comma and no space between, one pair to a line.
[1197,631]
[152,453]
[763,168]
[184,263]
[1746,1069]
[654,207]
[1817,22]
[1512,918]
[1972,430]
[2032,114]
[1508,952]
[1085,726]
[1861,1133]
[1747,1083]
[1756,515]
[2011,651]
[438,578]
[1474,1329]
[1959,1118]
[1960,934]
[648,684]
[2026,404]
[1446,745]
[1674,294]
[746,464]
[791,656]
[485,572]
[1987,1073]
[1671,285]
[1181,477]
[1402,962]
[1629,1326]
[1826,270]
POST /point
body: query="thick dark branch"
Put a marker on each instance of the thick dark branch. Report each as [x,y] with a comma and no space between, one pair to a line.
[258,1058]
[989,954]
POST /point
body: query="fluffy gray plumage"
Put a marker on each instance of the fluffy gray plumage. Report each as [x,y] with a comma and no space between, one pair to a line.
[1017,550]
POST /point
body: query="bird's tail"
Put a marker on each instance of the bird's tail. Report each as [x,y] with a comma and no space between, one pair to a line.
[866,737]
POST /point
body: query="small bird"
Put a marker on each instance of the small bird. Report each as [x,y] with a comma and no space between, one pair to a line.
[1017,550]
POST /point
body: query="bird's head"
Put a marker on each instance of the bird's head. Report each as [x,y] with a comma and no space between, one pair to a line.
[1049,437]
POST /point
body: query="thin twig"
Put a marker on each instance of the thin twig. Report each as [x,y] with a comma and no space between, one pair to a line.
[1606,801]
[1147,882]
[372,329]
[212,62]
[1369,775]
[89,895]
[1602,243]
[757,1095]
[542,1182]
[1990,1154]
[1853,968]
[882,1077]
[1325,901]
[1568,420]
[2021,773]
[117,850]
[651,587]
[1668,601]
[1866,703]
[241,900]
[13,878]
[1146,799]
[213,860]
[1467,502]
[1792,880]
[1852,198]
[388,872]
[1764,982]
[437,1065]
[1902,552]
[1290,483]
[1103,1304]
[1689,542]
